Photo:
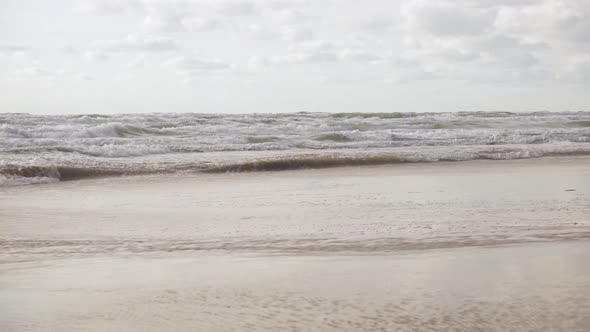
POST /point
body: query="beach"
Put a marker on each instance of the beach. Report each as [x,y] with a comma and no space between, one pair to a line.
[478,245]
[294,165]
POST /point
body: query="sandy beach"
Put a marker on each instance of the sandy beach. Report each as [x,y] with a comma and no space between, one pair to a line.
[479,245]
[294,165]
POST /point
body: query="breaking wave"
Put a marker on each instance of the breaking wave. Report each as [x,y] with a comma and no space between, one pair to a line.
[318,162]
[11,176]
[47,174]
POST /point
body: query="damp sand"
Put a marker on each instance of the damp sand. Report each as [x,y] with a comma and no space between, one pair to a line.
[483,245]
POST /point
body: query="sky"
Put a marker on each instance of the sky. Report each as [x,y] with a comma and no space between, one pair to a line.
[244,56]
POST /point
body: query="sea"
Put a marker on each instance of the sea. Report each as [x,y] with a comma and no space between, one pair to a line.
[37,149]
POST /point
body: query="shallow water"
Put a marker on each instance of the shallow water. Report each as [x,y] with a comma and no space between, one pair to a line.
[378,209]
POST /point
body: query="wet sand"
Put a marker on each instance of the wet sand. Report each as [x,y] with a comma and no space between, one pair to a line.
[535,287]
[490,246]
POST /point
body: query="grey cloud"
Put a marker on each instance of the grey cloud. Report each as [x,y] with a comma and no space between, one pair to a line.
[556,21]
[68,48]
[500,42]
[237,7]
[506,50]
[377,24]
[456,40]
[446,20]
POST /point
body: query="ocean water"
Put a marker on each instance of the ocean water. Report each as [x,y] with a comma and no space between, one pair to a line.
[42,149]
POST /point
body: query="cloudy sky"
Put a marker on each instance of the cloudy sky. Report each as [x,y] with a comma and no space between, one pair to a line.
[115,56]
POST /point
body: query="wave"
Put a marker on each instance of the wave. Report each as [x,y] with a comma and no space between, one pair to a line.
[318,161]
[65,131]
[28,175]
[334,137]
[262,139]
[392,115]
[302,163]
[10,176]
[110,130]
[82,146]
[44,174]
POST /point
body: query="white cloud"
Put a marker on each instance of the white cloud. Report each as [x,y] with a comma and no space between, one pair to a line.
[137,43]
[260,32]
[296,34]
[436,43]
[159,23]
[14,49]
[360,55]
[309,52]
[96,56]
[200,23]
[37,71]
[84,77]
[258,61]
[139,61]
[292,17]
[110,6]
[197,65]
